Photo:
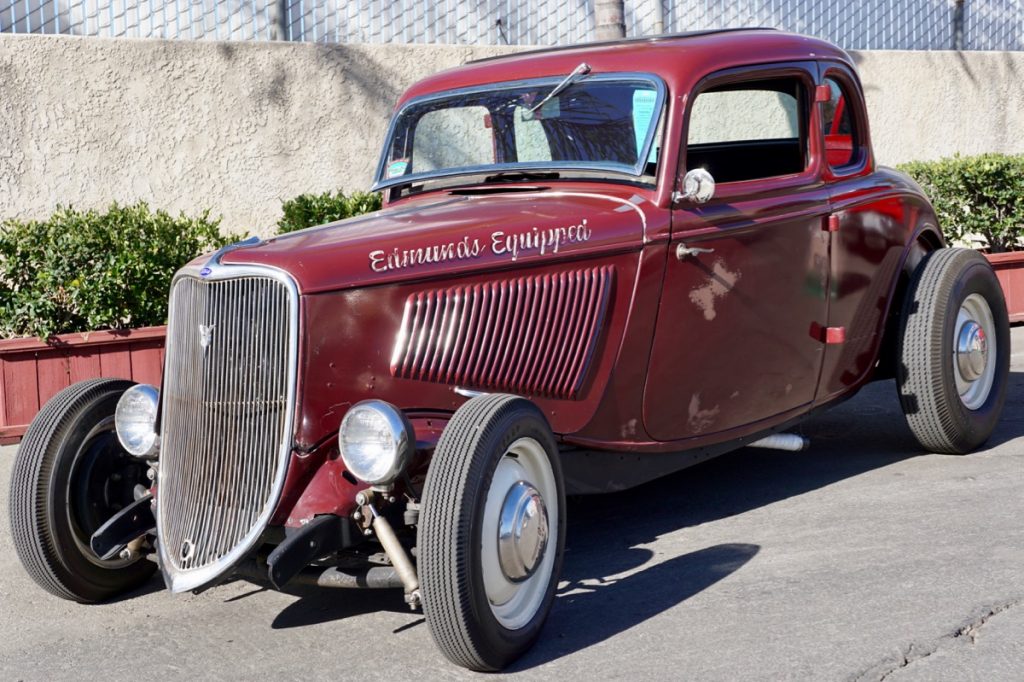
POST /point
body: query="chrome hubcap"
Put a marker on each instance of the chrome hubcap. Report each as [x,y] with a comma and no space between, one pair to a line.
[974,351]
[519,533]
[971,351]
[522,532]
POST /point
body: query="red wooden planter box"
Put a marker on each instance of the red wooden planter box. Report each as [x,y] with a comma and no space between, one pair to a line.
[32,371]
[1009,269]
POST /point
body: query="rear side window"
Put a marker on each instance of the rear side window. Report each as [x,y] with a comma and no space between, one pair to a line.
[837,125]
[750,130]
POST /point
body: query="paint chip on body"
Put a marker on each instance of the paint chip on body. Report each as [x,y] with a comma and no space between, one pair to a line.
[700,420]
[721,282]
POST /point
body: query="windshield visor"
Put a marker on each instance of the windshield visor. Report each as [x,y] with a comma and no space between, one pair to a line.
[606,122]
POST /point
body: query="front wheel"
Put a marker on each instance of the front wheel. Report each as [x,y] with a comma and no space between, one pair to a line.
[954,351]
[70,476]
[492,532]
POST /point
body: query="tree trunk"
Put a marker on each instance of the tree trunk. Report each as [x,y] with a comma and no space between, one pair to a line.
[610,19]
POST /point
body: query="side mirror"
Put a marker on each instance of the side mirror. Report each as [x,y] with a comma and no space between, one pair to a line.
[698,187]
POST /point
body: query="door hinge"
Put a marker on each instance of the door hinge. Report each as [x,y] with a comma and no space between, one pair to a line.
[832,223]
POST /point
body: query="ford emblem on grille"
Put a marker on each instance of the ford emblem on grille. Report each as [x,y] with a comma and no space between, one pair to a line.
[206,335]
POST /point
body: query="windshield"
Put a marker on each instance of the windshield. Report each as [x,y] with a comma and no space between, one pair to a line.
[605,122]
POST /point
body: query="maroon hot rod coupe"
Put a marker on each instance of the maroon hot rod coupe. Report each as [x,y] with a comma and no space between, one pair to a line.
[595,265]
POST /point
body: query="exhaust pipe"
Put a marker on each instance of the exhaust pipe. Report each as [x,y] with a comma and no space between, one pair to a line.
[790,442]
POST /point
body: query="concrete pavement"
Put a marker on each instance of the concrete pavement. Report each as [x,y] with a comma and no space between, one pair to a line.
[860,559]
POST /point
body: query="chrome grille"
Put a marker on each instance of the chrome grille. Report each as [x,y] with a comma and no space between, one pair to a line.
[534,335]
[225,427]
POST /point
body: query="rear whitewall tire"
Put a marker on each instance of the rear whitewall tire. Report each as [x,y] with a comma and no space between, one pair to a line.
[952,396]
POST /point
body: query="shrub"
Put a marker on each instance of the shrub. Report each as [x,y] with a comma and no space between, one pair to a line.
[307,210]
[976,195]
[79,271]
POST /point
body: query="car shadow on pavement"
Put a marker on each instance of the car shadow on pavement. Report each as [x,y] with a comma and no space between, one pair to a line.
[606,534]
[318,605]
[152,586]
[589,611]
[1011,424]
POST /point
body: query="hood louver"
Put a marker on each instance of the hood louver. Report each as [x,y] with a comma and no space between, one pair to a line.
[530,335]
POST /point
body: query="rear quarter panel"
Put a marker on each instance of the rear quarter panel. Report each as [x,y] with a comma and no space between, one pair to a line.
[881,216]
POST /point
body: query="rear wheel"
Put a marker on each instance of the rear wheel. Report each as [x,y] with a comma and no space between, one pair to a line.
[954,351]
[70,476]
[492,532]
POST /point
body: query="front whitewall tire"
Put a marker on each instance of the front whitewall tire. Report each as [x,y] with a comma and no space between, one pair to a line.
[497,456]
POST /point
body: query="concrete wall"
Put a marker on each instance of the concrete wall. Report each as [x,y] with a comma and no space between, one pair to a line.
[186,125]
[926,105]
[236,127]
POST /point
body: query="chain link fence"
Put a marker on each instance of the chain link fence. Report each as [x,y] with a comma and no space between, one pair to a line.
[864,24]
[184,19]
[501,22]
[861,25]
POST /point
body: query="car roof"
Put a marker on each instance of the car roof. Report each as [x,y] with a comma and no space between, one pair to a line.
[622,41]
[679,59]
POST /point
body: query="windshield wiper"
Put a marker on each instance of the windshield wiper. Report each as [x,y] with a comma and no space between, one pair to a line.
[513,176]
[582,70]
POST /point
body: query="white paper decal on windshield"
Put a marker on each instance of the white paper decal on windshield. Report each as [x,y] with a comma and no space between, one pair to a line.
[643,115]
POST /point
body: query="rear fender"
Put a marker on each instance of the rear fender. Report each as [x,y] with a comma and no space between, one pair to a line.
[926,238]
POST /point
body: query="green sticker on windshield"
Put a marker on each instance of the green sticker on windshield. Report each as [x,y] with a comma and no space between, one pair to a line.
[397,168]
[643,115]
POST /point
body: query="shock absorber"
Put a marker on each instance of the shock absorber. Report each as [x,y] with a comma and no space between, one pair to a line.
[395,551]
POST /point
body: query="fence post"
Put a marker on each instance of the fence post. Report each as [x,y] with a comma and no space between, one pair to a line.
[958,25]
[609,19]
[280,27]
[659,18]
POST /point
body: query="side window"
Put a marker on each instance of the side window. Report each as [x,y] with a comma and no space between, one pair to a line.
[837,125]
[749,130]
[452,138]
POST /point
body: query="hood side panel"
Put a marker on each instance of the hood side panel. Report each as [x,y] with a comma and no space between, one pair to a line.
[352,337]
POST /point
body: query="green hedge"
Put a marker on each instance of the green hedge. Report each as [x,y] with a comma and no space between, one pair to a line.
[307,210]
[84,270]
[976,195]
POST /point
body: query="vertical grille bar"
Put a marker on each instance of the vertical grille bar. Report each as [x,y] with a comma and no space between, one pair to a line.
[228,400]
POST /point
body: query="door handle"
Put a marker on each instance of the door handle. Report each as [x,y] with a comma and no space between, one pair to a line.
[683,251]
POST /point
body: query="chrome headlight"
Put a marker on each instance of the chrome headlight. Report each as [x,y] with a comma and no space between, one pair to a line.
[376,441]
[135,420]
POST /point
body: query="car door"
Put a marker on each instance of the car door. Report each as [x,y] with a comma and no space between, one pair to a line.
[739,338]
